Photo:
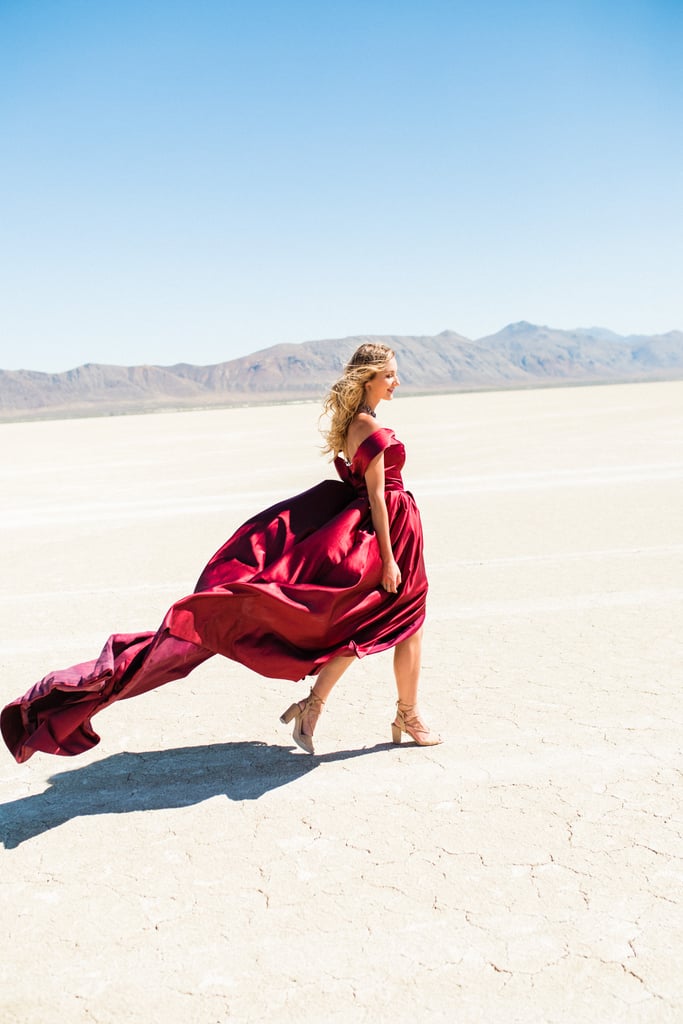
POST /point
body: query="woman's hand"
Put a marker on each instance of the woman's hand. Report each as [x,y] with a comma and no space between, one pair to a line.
[391,576]
[374,478]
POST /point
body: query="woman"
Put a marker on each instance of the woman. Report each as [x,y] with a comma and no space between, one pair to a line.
[300,589]
[374,459]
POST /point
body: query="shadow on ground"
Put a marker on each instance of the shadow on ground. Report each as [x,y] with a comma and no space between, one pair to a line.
[158,779]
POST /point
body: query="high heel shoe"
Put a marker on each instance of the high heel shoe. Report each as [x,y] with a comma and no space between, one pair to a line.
[308,711]
[408,720]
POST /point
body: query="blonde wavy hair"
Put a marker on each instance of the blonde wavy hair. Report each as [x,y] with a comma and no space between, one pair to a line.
[348,393]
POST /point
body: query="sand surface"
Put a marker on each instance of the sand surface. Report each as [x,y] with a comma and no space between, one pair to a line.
[196,867]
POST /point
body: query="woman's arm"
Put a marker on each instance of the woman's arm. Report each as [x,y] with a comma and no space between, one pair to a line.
[374,479]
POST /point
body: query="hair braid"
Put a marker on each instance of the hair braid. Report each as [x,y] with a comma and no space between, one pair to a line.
[347,394]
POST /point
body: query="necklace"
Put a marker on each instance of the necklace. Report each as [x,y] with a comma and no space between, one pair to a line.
[368,410]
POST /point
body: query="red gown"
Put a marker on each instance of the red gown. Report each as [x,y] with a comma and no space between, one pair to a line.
[295,586]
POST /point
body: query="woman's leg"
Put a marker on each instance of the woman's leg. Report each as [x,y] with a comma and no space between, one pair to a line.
[307,712]
[329,675]
[407,664]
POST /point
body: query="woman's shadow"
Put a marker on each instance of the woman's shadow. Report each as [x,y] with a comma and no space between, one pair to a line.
[158,779]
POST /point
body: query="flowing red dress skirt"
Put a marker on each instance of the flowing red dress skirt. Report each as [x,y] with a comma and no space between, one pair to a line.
[295,586]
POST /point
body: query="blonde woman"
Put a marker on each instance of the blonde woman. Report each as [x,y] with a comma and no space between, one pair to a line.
[301,589]
[390,545]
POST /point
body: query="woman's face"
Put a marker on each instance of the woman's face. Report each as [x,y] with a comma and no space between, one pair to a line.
[383,384]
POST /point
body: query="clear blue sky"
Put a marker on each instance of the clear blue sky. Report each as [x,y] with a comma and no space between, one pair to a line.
[191,180]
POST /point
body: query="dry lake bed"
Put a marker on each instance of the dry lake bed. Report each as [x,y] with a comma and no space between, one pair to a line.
[196,867]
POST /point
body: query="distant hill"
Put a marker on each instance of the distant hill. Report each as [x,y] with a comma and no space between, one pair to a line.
[521,355]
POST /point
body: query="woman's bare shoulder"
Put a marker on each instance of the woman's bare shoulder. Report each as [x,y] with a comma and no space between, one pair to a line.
[360,428]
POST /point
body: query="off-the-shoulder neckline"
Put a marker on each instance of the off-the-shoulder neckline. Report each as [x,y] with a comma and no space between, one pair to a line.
[380,430]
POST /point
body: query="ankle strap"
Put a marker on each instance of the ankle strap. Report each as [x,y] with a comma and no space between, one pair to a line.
[402,706]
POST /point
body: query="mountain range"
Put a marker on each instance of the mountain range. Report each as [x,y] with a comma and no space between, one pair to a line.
[520,355]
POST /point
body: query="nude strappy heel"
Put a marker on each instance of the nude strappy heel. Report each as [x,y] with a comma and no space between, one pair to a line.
[408,720]
[306,712]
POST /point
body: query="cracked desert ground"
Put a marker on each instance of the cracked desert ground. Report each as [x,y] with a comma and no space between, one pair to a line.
[195,867]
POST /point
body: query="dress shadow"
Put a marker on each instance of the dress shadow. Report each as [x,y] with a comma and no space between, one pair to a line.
[160,779]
